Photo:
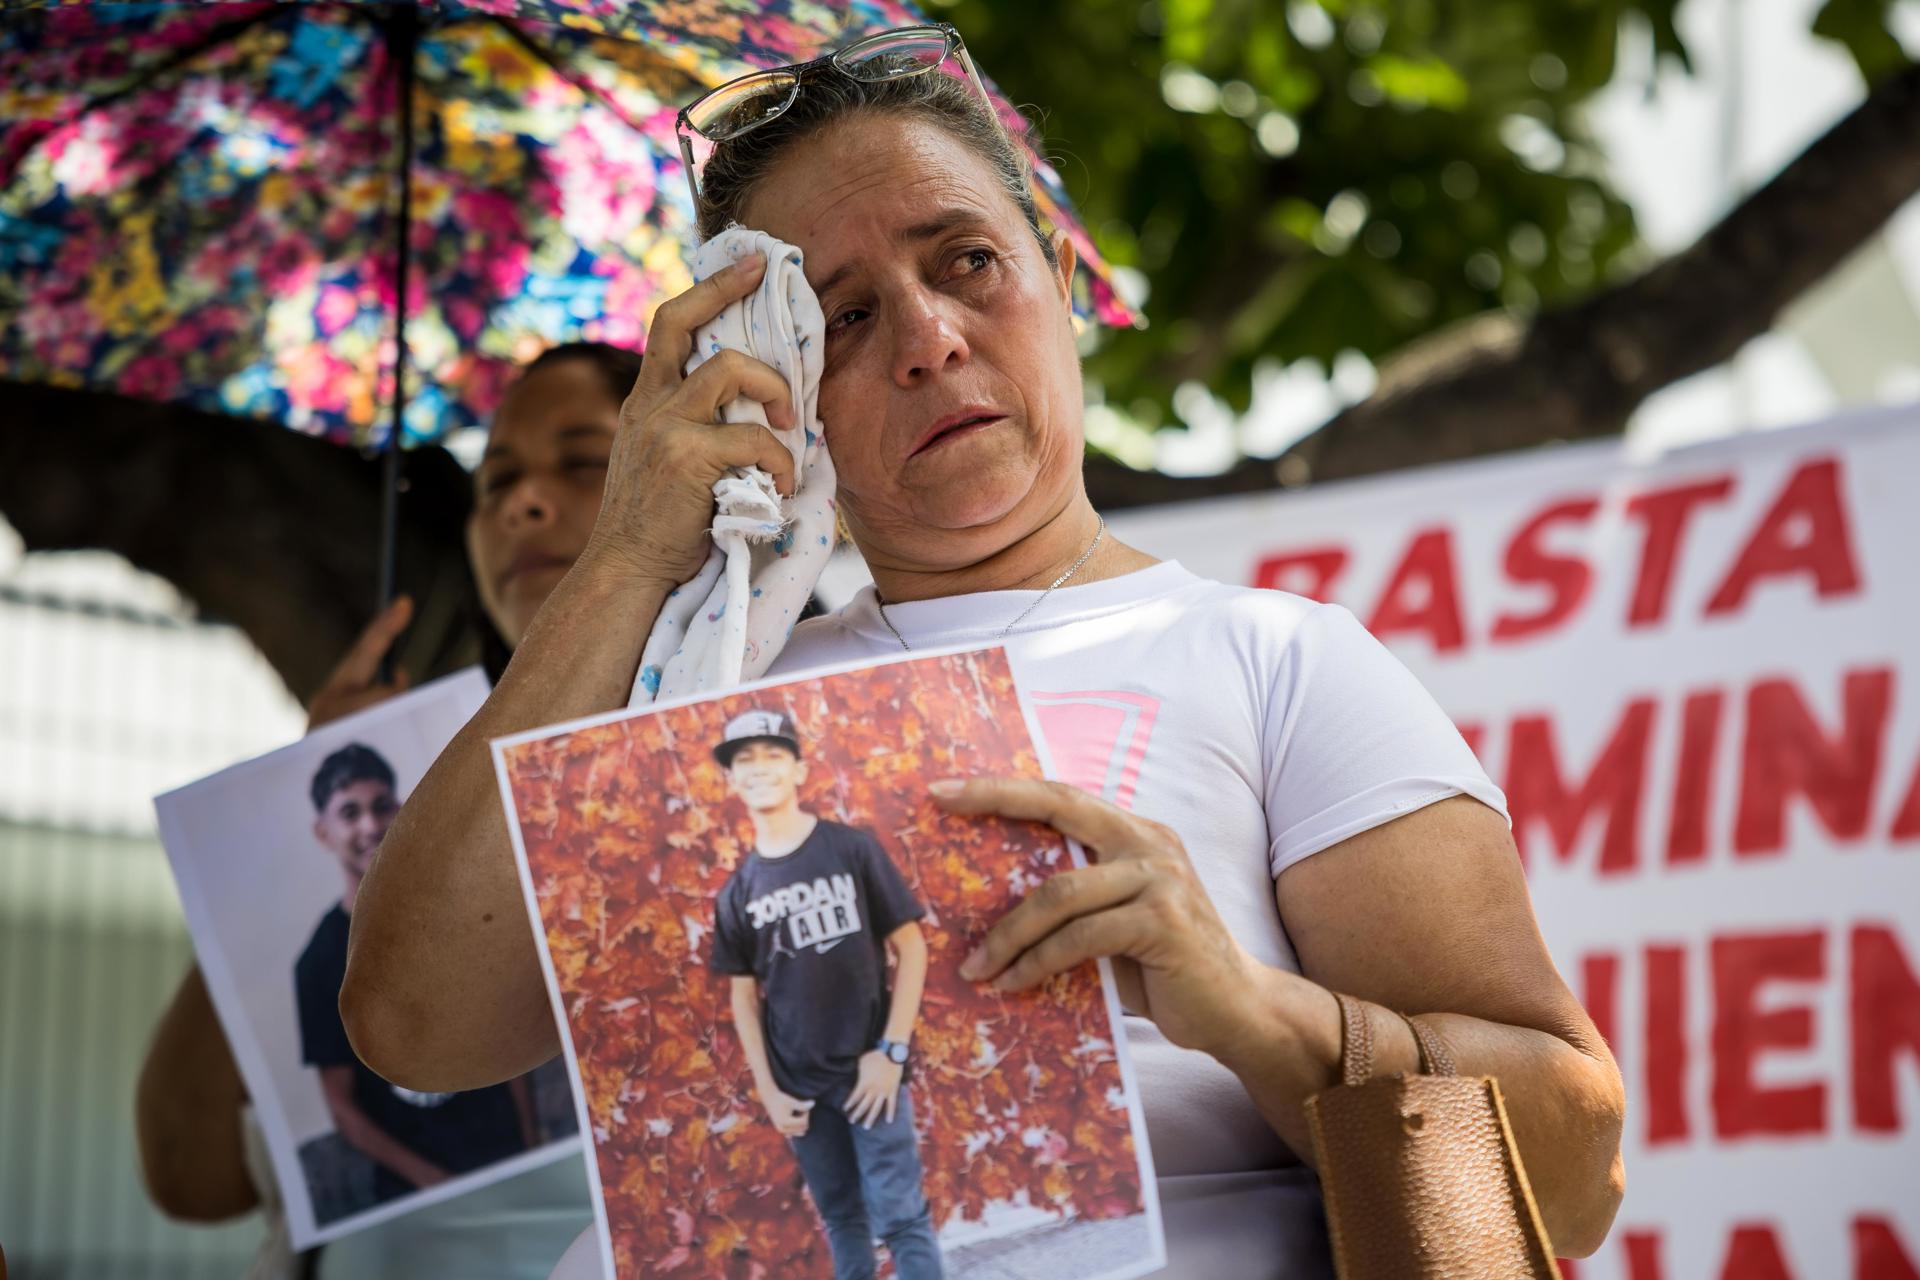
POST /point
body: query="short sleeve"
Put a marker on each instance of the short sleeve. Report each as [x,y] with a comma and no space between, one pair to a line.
[731,953]
[1352,741]
[323,1036]
[890,902]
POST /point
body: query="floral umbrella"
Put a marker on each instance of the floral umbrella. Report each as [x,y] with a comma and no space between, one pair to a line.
[201,201]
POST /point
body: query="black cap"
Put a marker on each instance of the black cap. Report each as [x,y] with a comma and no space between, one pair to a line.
[756,726]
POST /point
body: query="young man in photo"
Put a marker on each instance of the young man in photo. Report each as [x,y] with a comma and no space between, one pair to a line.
[415,1140]
[802,927]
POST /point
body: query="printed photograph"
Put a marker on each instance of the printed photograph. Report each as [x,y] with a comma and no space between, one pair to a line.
[269,856]
[753,920]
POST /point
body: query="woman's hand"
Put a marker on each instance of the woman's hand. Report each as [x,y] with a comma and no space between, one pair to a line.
[1140,903]
[355,683]
[876,1092]
[672,445]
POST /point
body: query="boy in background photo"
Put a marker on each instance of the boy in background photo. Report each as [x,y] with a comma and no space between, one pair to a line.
[415,1140]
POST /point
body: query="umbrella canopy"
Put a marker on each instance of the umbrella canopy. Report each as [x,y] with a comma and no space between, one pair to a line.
[201,201]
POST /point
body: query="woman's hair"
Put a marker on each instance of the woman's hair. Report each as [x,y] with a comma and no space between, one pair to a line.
[827,96]
[618,367]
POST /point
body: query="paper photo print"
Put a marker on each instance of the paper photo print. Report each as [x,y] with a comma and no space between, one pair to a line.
[269,856]
[753,920]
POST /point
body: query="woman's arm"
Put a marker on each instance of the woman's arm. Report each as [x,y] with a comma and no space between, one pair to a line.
[1425,914]
[1429,914]
[443,988]
[187,1114]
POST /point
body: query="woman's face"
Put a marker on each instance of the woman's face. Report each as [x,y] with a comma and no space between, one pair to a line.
[537,492]
[951,389]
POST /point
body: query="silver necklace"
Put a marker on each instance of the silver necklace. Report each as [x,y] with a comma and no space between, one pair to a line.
[1007,630]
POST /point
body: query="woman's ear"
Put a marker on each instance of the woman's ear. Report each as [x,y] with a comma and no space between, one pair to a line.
[1067,260]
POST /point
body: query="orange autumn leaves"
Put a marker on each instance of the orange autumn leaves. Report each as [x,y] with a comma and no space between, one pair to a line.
[630,833]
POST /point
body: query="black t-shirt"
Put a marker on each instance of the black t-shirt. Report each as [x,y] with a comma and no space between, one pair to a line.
[456,1131]
[811,928]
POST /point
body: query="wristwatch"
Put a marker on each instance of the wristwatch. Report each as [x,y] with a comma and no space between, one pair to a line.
[896,1051]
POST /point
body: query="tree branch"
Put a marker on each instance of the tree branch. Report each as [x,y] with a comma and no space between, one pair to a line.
[265,528]
[1580,372]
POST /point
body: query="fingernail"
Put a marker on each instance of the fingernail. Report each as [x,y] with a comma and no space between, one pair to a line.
[750,264]
[946,788]
[975,962]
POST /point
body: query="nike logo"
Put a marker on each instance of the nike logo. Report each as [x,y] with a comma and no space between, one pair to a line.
[825,947]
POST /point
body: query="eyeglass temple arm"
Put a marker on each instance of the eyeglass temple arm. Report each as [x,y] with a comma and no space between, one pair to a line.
[979,86]
[686,162]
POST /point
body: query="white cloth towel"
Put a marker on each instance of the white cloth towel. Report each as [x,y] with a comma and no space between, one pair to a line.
[732,619]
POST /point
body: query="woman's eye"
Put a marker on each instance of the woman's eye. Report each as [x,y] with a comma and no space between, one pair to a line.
[586,464]
[846,319]
[498,482]
[977,259]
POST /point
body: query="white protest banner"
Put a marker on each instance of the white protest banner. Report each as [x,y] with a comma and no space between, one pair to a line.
[1697,678]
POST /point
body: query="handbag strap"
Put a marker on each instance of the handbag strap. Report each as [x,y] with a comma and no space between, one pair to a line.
[1356,1041]
[1435,1058]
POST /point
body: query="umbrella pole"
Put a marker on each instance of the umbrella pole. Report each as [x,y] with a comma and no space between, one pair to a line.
[402,24]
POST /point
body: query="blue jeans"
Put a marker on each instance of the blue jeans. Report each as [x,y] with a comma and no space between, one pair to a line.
[866,1182]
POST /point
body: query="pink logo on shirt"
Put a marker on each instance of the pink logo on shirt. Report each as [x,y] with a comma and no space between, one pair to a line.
[1098,739]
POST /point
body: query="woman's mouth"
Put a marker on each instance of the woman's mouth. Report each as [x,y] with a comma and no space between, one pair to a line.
[953,427]
[534,562]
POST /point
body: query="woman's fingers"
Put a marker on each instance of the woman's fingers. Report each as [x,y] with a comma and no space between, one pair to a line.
[1072,812]
[362,662]
[748,444]
[670,338]
[1113,932]
[1064,901]
[727,377]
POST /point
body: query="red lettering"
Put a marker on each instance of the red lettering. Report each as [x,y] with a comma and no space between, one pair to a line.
[1805,531]
[1474,735]
[1308,573]
[1536,790]
[1600,991]
[1741,1033]
[1567,578]
[1754,1254]
[1693,783]
[1906,820]
[1786,752]
[1643,1255]
[1666,1045]
[1569,1269]
[1666,512]
[1885,1017]
[1421,595]
[1877,1254]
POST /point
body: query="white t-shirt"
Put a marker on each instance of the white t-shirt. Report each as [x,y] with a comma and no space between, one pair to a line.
[1262,727]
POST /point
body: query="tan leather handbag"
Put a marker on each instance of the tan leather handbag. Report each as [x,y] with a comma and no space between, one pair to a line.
[1420,1174]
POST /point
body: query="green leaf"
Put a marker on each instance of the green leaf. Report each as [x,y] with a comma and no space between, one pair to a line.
[1421,82]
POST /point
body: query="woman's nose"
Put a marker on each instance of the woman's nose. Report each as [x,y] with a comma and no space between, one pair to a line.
[925,341]
[528,503]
